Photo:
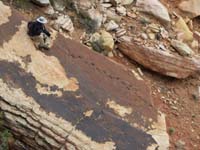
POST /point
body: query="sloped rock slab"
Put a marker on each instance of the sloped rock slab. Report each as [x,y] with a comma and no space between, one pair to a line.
[72,98]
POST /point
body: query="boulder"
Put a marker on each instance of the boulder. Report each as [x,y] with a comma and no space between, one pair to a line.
[154,7]
[191,7]
[163,62]
[102,41]
[92,18]
[106,41]
[41,2]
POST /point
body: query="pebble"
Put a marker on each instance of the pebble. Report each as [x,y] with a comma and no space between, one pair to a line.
[121,10]
[120,32]
[113,16]
[180,145]
[195,44]
[154,28]
[131,15]
[151,36]
[125,38]
[126,2]
[144,36]
[164,33]
[111,25]
[110,54]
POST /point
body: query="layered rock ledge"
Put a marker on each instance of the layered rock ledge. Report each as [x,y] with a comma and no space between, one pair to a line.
[70,97]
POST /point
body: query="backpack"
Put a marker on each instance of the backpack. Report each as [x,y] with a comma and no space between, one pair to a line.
[30,26]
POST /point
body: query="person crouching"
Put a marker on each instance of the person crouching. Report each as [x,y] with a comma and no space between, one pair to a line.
[39,34]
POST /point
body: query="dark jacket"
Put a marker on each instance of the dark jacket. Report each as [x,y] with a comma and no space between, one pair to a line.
[36,28]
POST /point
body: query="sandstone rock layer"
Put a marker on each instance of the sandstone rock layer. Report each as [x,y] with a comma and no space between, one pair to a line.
[72,98]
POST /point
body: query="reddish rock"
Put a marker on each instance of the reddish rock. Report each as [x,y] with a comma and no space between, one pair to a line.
[162,62]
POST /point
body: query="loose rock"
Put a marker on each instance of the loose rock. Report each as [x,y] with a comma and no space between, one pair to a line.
[106,41]
[144,36]
[49,10]
[59,5]
[126,2]
[125,39]
[112,25]
[102,41]
[41,2]
[152,36]
[180,145]
[132,15]
[121,10]
[93,18]
[182,48]
[120,32]
[154,7]
[64,22]
[113,16]
[184,32]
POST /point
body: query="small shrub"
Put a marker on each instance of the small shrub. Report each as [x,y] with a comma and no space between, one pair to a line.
[4,140]
[171,130]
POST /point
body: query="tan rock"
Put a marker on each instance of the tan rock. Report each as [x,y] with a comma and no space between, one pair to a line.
[132,15]
[183,30]
[106,40]
[102,41]
[151,36]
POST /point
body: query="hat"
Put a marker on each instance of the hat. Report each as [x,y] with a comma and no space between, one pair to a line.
[42,20]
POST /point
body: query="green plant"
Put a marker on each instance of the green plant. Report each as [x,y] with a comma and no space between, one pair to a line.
[171,130]
[5,136]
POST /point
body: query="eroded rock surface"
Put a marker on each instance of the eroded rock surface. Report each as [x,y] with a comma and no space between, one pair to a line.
[71,97]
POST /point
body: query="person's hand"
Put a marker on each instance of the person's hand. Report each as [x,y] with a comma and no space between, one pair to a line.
[48,34]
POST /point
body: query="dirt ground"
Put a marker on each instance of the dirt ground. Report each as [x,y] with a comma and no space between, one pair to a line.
[178,99]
